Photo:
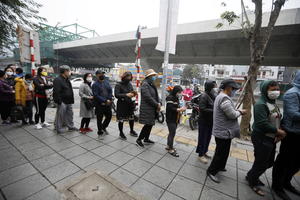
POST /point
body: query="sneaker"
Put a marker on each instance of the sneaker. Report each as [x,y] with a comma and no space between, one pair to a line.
[122,136]
[203,159]
[140,143]
[88,129]
[73,129]
[100,136]
[38,126]
[46,124]
[149,141]
[213,178]
[105,132]
[207,156]
[82,130]
[133,133]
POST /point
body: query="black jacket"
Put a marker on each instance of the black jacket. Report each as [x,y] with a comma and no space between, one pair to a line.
[63,91]
[38,89]
[172,115]
[206,106]
[125,105]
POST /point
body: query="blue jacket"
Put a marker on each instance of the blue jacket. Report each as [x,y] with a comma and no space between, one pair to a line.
[102,91]
[291,108]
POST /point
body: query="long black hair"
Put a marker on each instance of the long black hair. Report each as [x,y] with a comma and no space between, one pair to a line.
[176,89]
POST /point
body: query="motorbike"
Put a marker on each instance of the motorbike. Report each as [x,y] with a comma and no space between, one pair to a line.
[194,106]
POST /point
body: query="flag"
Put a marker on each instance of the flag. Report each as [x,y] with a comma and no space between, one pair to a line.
[174,7]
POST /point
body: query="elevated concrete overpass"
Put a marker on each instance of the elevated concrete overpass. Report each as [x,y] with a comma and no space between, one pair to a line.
[198,42]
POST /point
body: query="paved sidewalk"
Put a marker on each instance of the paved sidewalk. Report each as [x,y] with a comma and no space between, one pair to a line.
[35,162]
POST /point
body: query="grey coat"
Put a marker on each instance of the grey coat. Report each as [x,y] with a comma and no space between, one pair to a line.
[149,103]
[225,118]
[85,91]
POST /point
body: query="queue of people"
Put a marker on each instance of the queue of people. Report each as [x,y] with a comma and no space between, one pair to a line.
[218,117]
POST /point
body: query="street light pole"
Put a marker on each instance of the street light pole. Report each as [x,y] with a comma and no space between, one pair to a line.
[166,55]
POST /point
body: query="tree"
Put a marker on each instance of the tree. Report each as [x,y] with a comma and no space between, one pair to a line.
[258,41]
[13,13]
[192,71]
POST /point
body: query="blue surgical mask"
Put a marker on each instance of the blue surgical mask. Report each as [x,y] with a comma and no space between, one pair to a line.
[153,78]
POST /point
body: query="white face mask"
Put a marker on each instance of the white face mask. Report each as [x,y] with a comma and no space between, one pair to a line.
[273,94]
[89,79]
[9,73]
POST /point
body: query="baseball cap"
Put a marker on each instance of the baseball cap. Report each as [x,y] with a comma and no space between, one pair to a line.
[229,83]
[99,71]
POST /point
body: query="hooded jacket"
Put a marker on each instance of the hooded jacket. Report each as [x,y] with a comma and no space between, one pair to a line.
[291,108]
[206,103]
[262,124]
[21,91]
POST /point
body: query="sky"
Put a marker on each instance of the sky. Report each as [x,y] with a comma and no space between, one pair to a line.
[116,16]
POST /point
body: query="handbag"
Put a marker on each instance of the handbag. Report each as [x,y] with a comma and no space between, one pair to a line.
[17,112]
[89,104]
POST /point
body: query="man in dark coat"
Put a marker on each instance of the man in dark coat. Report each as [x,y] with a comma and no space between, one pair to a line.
[102,92]
[125,106]
[150,106]
[64,98]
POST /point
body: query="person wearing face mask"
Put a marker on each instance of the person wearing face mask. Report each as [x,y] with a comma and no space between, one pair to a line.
[225,127]
[41,85]
[64,98]
[10,77]
[205,123]
[7,98]
[150,106]
[86,97]
[102,92]
[24,92]
[287,163]
[125,106]
[173,113]
[266,133]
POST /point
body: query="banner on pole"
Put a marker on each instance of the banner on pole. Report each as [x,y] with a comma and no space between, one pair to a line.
[163,18]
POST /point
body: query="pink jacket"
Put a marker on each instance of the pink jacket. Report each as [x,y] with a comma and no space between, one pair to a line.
[187,94]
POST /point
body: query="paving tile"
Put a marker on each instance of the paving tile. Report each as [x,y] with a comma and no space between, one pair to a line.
[184,147]
[49,193]
[54,139]
[25,187]
[44,134]
[147,189]
[158,148]
[244,165]
[85,159]
[72,152]
[137,166]
[66,180]
[119,144]
[38,153]
[171,164]
[227,186]
[195,173]
[70,135]
[124,177]
[4,144]
[108,139]
[60,171]
[169,196]
[62,145]
[10,157]
[103,166]
[92,144]
[104,151]
[185,188]
[159,176]
[133,149]
[246,193]
[230,173]
[119,158]
[23,140]
[210,194]
[80,139]
[150,156]
[30,146]
[14,174]
[48,161]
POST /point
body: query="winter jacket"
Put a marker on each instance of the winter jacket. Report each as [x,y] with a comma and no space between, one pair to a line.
[187,94]
[149,102]
[102,92]
[62,91]
[125,105]
[41,85]
[225,118]
[11,81]
[291,108]
[172,115]
[6,92]
[206,104]
[85,92]
[21,89]
[264,115]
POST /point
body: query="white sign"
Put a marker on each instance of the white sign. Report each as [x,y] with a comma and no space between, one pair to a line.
[24,45]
